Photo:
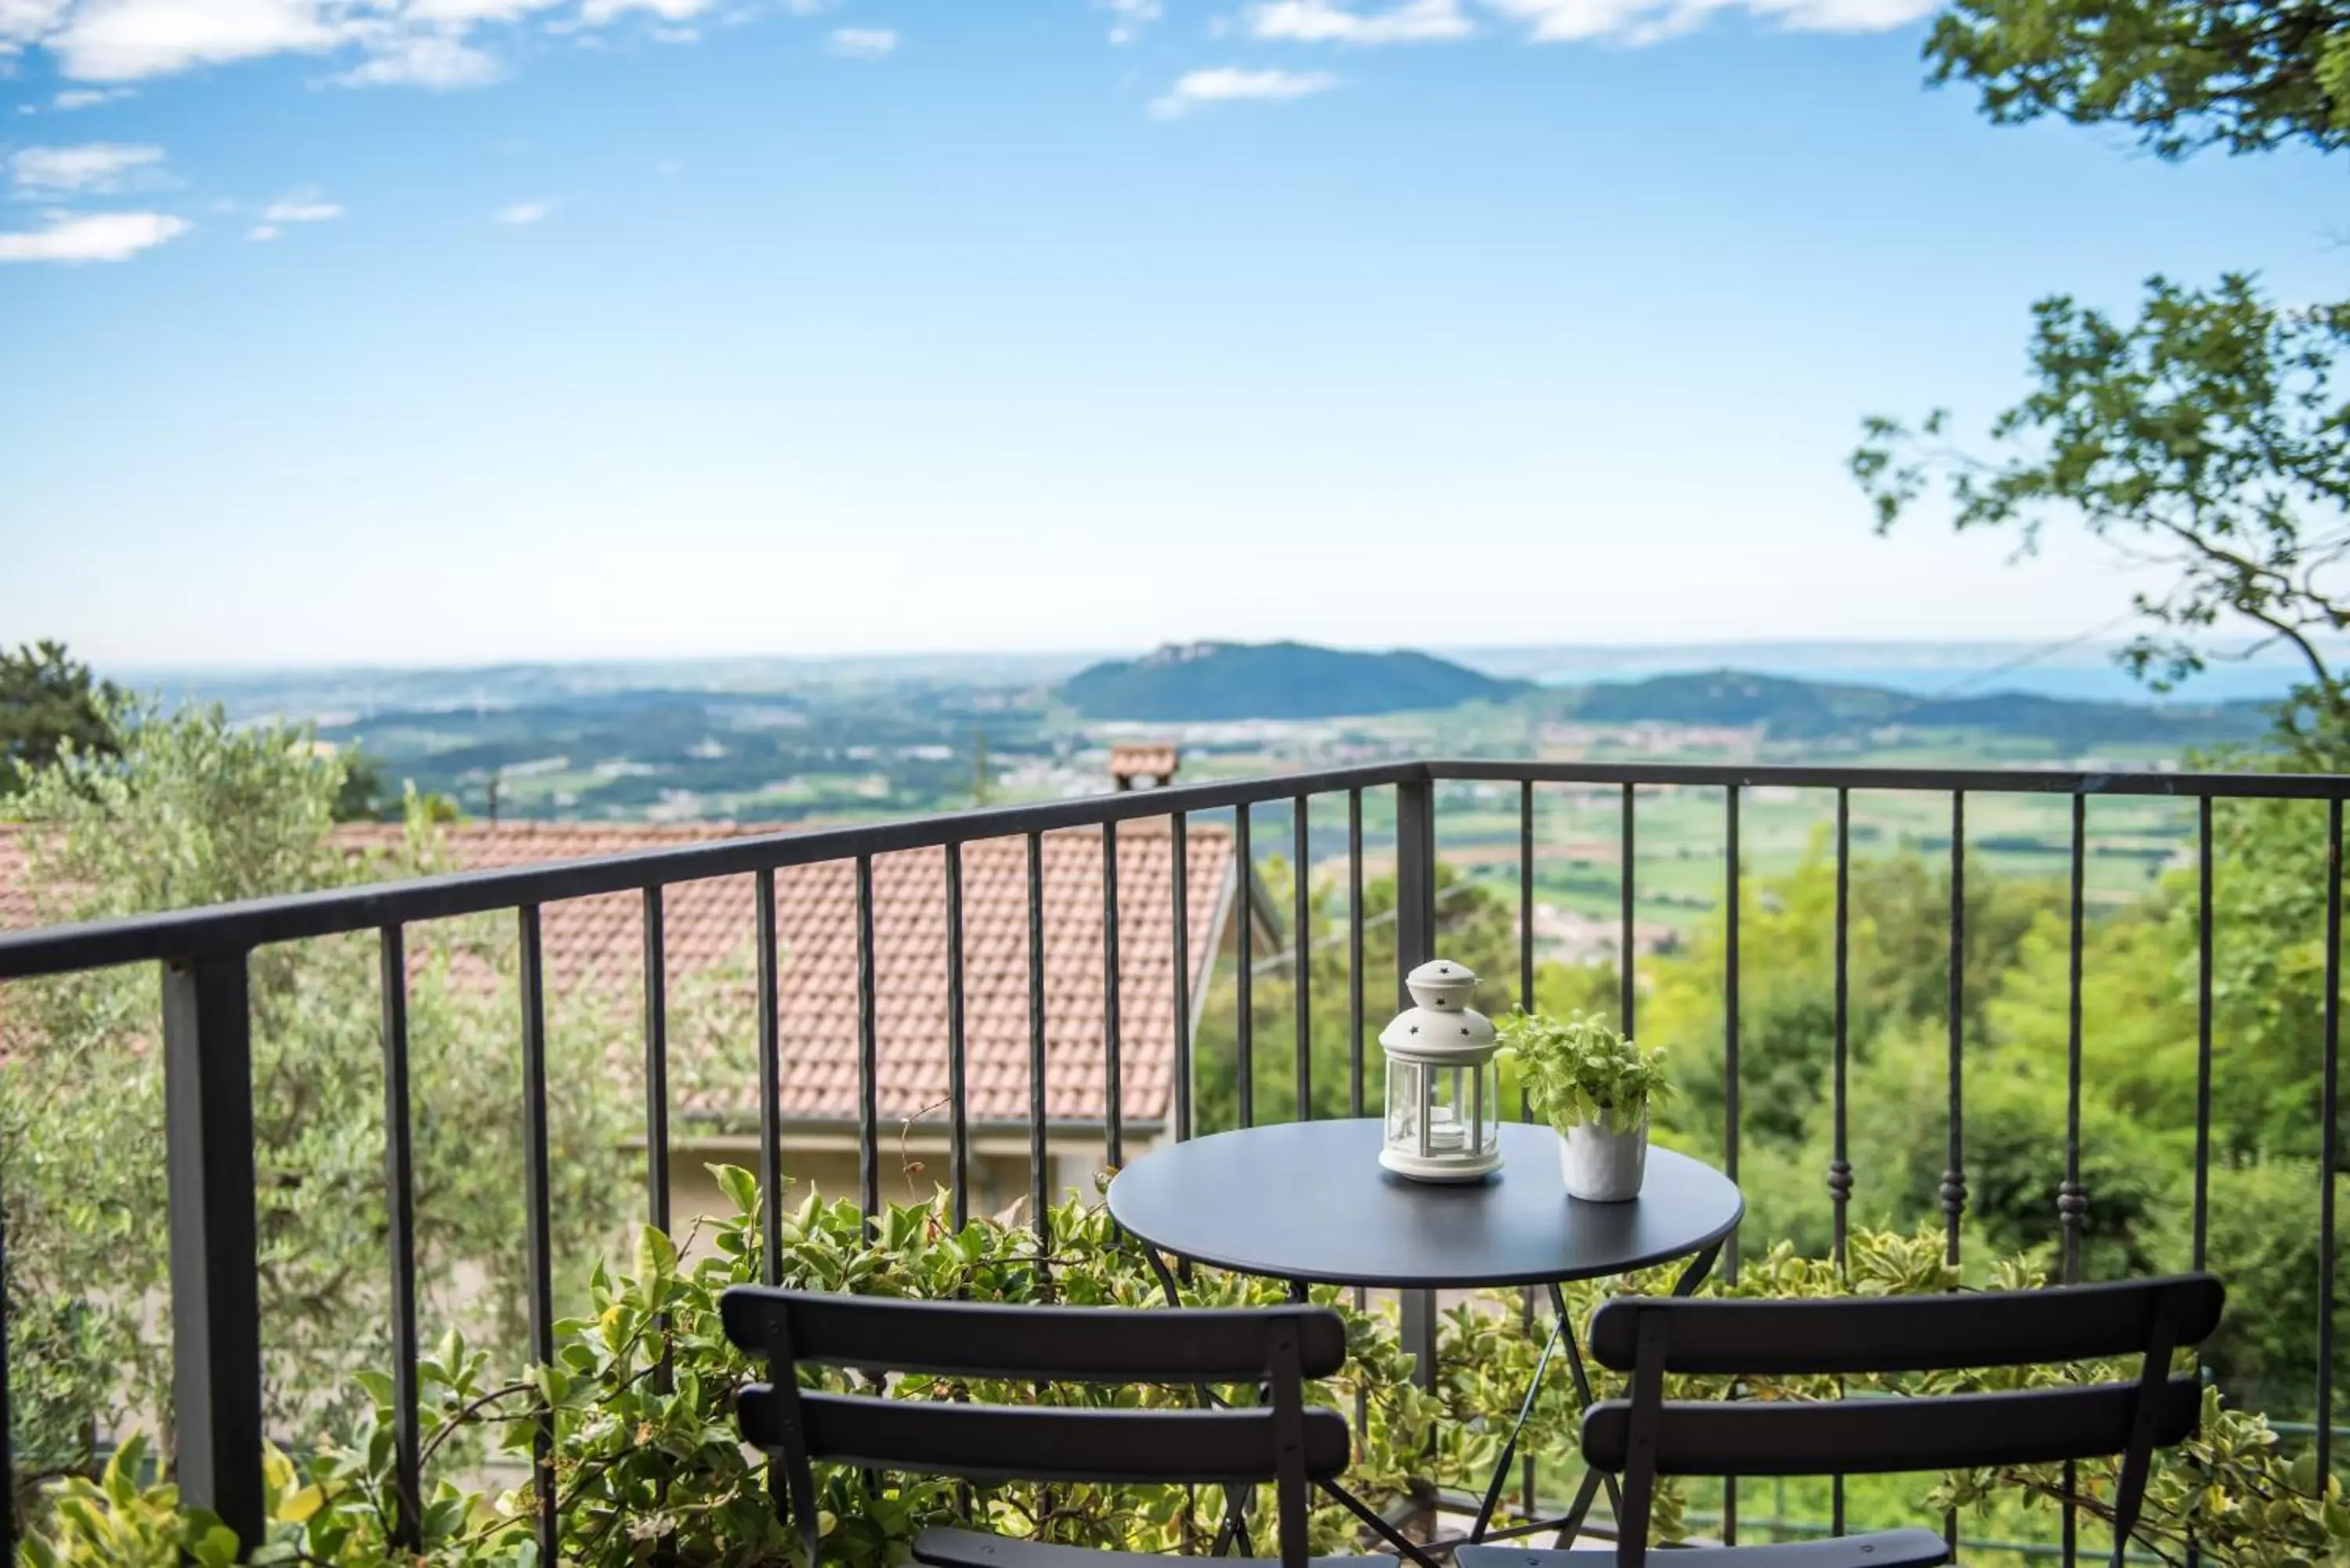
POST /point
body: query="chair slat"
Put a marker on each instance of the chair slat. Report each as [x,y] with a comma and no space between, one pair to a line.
[1045,1443]
[1913,1333]
[1796,1437]
[1071,1345]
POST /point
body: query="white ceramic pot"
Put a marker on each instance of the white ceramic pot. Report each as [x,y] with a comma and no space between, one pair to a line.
[1601,1165]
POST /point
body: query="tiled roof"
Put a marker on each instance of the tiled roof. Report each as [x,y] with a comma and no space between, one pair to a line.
[598,943]
[1154,759]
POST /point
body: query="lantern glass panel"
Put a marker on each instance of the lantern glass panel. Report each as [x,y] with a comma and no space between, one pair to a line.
[1404,1082]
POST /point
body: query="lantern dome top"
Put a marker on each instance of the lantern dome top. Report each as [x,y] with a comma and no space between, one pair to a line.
[1439,1033]
[1441,986]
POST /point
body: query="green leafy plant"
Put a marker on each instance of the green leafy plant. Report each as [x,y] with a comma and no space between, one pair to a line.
[1583,1070]
[647,1469]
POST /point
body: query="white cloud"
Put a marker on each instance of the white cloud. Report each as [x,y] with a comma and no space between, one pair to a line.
[595,13]
[862,43]
[1330,22]
[89,98]
[22,21]
[96,236]
[263,232]
[303,208]
[1128,18]
[525,213]
[1639,22]
[1225,84]
[122,40]
[92,169]
[440,60]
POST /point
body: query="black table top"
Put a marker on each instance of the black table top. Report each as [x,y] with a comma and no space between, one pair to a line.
[1308,1201]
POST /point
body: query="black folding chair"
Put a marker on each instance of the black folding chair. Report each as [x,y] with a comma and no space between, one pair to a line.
[1283,1441]
[1647,1435]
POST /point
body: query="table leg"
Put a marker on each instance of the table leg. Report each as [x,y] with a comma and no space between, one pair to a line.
[1379,1526]
[1236,1499]
[1510,1448]
[1694,1274]
[1691,1277]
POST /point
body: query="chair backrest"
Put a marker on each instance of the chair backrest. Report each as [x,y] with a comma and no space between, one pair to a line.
[1281,1441]
[1647,1435]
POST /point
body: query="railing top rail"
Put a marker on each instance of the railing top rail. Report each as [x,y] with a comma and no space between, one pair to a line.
[256,922]
[1939,781]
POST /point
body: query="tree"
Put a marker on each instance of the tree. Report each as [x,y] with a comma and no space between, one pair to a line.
[194,812]
[2245,75]
[2210,434]
[361,796]
[49,704]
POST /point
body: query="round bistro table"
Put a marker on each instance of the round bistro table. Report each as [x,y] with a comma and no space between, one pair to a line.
[1309,1203]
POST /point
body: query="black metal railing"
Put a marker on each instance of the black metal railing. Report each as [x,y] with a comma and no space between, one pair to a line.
[202,956]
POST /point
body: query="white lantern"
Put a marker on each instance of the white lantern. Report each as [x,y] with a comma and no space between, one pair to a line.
[1444,1095]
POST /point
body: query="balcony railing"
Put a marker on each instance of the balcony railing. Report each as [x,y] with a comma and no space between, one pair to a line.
[202,956]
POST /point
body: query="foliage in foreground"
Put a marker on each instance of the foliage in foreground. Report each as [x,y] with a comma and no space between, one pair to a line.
[646,1466]
[185,810]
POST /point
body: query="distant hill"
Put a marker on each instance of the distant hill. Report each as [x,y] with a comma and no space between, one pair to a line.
[1210,681]
[1806,710]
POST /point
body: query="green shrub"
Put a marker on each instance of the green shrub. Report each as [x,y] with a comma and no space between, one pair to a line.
[647,1467]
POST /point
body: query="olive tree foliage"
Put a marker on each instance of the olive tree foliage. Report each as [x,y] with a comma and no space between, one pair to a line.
[2207,436]
[194,812]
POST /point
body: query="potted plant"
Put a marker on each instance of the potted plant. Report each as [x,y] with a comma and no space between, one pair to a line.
[1596,1086]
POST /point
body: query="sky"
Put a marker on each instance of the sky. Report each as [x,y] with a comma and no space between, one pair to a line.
[443,331]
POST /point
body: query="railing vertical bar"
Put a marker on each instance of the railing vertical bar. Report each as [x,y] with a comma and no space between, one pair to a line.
[2072,1204]
[1839,1156]
[2202,1203]
[1355,1106]
[215,1246]
[399,1203]
[1244,972]
[957,1094]
[2329,1138]
[1840,1151]
[868,1050]
[771,1085]
[1526,899]
[538,1204]
[656,1062]
[1180,914]
[1953,1191]
[1730,900]
[1039,1146]
[2202,1033]
[1731,1105]
[1527,1477]
[1113,1082]
[1355,952]
[8,1417]
[1954,1170]
[1301,950]
[1627,851]
[1415,805]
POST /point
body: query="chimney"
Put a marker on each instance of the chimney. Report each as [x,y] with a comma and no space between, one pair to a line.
[1142,766]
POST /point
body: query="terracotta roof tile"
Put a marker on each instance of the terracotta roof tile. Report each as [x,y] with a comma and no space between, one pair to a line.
[598,944]
[1153,759]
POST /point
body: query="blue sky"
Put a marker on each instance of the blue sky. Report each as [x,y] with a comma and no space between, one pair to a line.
[425,331]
